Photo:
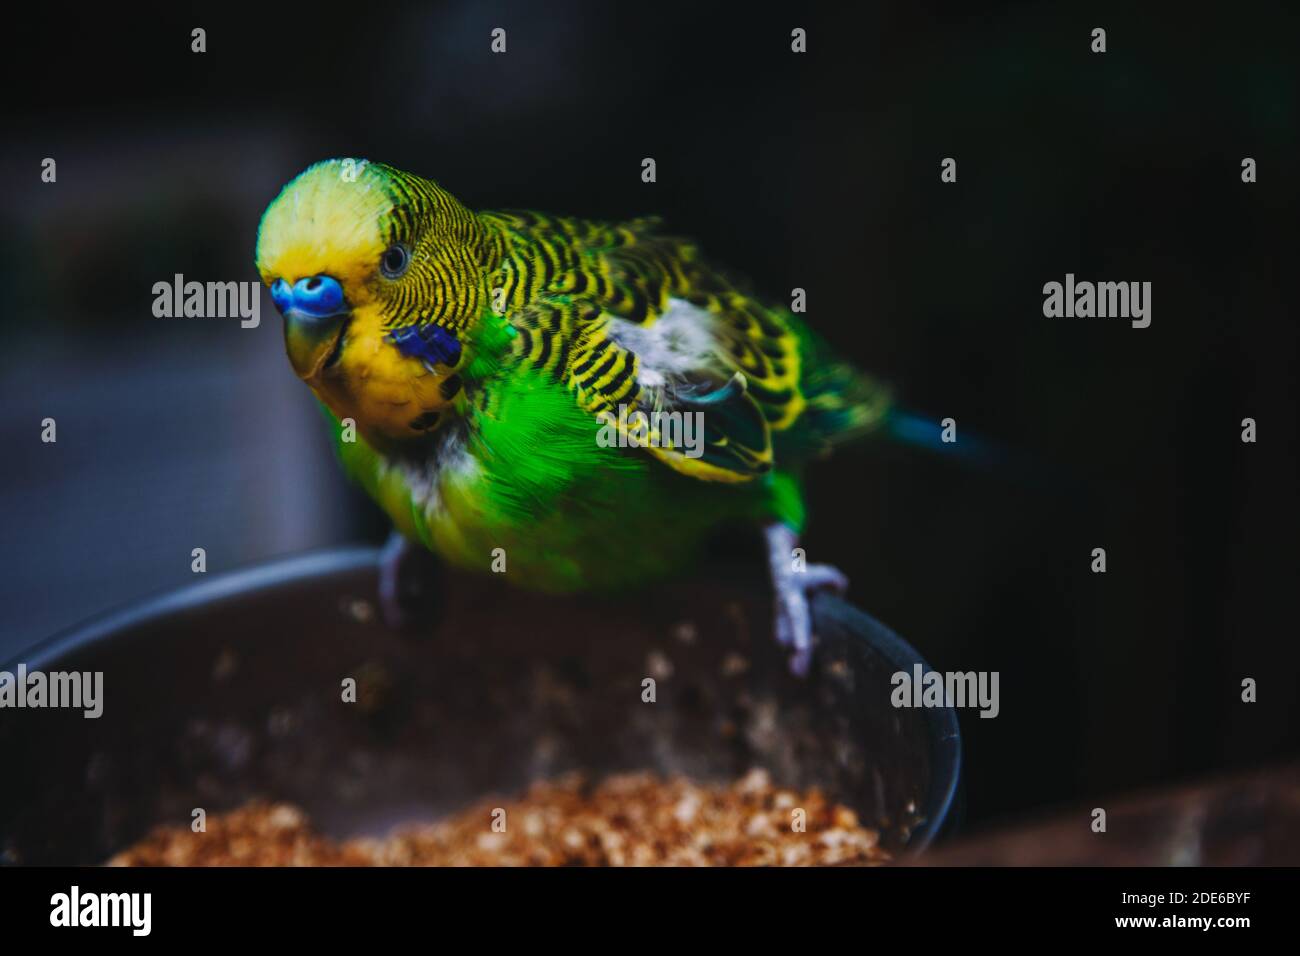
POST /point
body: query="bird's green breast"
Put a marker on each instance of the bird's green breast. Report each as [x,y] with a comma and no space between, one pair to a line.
[528,487]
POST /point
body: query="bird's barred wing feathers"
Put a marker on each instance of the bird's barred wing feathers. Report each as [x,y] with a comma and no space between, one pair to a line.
[626,317]
[698,422]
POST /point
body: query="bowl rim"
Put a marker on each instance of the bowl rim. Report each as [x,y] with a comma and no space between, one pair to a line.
[944,730]
[941,802]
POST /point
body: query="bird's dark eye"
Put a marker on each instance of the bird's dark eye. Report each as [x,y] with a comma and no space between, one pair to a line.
[395,261]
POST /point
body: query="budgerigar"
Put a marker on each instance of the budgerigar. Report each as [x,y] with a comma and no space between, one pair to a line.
[487,372]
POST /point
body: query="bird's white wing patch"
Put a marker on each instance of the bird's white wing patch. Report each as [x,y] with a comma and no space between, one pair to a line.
[682,340]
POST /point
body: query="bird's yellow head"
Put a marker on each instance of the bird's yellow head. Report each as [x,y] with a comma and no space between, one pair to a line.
[380,276]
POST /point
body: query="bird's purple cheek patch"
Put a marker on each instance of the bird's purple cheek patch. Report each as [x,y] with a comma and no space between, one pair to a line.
[431,344]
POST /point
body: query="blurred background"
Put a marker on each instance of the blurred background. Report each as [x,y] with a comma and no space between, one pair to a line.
[819,171]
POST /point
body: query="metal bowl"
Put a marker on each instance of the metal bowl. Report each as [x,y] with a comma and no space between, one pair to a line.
[231,690]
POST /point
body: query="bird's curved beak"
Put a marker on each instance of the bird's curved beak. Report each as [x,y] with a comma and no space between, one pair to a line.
[315,322]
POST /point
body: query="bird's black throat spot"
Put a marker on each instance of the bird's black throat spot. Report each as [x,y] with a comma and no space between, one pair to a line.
[425,421]
[449,387]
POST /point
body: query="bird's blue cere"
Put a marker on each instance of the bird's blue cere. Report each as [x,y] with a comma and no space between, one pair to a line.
[316,297]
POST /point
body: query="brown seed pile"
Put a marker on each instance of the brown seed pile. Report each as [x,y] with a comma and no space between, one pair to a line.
[259,834]
[629,820]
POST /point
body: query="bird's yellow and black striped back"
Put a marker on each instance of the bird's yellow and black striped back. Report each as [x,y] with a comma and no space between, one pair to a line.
[567,284]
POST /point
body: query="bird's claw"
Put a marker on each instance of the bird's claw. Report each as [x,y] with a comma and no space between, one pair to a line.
[794,614]
[792,587]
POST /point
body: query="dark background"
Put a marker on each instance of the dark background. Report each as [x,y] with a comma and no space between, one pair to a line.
[819,171]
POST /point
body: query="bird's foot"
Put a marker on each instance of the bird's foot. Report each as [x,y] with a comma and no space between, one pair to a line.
[407,574]
[792,582]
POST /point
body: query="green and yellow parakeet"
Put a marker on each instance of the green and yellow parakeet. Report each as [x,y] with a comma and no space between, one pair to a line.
[592,399]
